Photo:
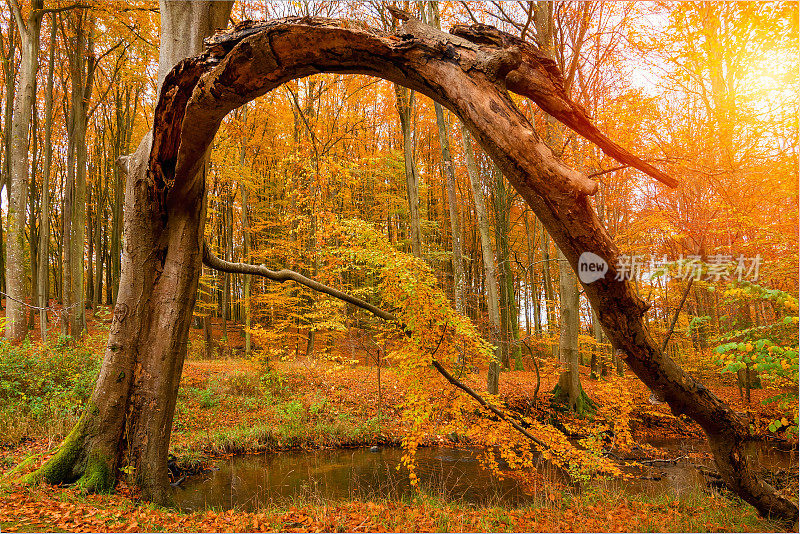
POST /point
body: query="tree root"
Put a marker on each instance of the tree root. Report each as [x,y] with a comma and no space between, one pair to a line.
[75,462]
[583,404]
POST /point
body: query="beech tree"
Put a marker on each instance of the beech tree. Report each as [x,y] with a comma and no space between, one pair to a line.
[25,94]
[128,420]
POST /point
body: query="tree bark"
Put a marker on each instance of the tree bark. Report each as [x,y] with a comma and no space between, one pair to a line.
[24,96]
[164,230]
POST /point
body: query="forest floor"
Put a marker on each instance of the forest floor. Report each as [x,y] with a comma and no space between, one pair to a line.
[228,405]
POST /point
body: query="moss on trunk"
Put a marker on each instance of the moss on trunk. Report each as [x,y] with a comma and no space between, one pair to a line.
[582,404]
[64,466]
[77,461]
[98,476]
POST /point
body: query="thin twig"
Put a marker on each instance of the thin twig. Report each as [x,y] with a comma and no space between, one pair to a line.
[606,171]
[675,317]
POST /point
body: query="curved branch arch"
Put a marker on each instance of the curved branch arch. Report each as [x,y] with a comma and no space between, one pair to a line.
[469,73]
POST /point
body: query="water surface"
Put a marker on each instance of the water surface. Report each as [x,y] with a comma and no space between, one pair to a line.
[250,481]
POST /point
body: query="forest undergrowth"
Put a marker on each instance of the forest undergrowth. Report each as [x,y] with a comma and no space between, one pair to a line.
[230,405]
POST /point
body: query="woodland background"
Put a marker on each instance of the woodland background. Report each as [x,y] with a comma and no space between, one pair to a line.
[708,92]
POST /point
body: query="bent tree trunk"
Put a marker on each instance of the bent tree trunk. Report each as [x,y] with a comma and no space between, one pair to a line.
[468,73]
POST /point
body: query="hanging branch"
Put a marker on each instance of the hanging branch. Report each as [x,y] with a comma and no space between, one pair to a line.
[215,262]
[675,317]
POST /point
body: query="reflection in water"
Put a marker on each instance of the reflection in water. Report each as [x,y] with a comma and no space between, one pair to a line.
[249,481]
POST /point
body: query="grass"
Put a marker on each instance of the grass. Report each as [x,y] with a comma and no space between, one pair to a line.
[224,410]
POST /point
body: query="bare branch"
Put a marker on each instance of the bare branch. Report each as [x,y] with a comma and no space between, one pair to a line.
[675,317]
[284,275]
[42,12]
[450,378]
[213,261]
[606,171]
[469,12]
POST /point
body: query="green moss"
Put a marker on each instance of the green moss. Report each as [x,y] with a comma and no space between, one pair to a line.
[23,465]
[583,404]
[60,468]
[63,467]
[98,476]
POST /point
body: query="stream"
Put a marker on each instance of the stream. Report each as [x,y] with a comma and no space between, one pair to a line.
[249,481]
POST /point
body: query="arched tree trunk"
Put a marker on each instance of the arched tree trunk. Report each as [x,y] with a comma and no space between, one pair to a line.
[467,73]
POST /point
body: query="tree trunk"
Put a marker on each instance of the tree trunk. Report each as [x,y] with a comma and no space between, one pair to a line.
[24,96]
[569,387]
[43,275]
[530,240]
[5,178]
[33,209]
[492,301]
[246,242]
[547,282]
[81,65]
[124,114]
[97,231]
[90,222]
[450,176]
[226,278]
[137,387]
[509,317]
[405,110]
[128,420]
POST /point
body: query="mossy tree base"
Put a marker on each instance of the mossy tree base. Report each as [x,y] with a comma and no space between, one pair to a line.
[582,404]
[75,462]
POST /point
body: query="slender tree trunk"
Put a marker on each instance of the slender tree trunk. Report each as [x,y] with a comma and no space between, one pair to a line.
[569,383]
[492,301]
[405,109]
[43,275]
[450,176]
[509,318]
[226,278]
[82,66]
[123,118]
[547,282]
[33,209]
[99,218]
[5,178]
[91,214]
[246,241]
[530,241]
